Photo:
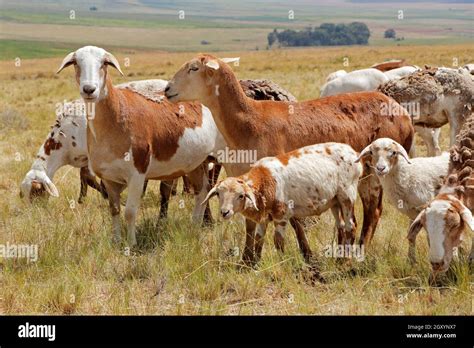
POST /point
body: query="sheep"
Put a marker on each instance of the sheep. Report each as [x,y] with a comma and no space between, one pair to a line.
[409,183]
[434,97]
[66,145]
[354,81]
[270,128]
[450,212]
[398,73]
[301,183]
[335,75]
[131,138]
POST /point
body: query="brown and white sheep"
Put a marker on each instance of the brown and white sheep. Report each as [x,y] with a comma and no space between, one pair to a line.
[451,211]
[301,183]
[271,128]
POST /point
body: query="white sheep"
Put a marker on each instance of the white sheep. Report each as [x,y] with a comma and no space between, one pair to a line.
[354,81]
[409,184]
[304,182]
[335,75]
[398,73]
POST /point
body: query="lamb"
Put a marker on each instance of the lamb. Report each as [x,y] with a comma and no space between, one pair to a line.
[303,182]
[131,138]
[269,128]
[409,183]
[354,81]
[335,75]
[450,212]
[434,97]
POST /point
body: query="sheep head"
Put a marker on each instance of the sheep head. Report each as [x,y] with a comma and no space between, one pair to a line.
[196,80]
[91,65]
[382,155]
[235,196]
[444,219]
[37,184]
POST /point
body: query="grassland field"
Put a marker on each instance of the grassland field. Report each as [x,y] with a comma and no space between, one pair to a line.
[179,267]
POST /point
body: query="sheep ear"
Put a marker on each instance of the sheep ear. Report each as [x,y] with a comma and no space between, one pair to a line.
[466,215]
[210,194]
[250,201]
[51,188]
[111,60]
[402,152]
[415,227]
[231,60]
[213,64]
[68,60]
[365,152]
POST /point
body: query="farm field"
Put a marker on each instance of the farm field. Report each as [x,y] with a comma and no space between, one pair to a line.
[223,25]
[178,267]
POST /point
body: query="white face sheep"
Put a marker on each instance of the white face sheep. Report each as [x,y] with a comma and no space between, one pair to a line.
[448,215]
[409,183]
[131,138]
[301,183]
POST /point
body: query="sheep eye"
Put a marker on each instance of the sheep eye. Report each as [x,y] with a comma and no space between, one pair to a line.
[194,68]
[241,197]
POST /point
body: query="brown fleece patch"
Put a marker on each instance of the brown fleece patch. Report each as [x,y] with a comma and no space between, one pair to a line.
[50,145]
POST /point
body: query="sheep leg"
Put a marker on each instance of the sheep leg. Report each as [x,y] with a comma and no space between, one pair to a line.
[186,185]
[430,137]
[114,190]
[248,257]
[336,212]
[145,185]
[259,239]
[135,189]
[200,182]
[87,179]
[166,186]
[370,191]
[301,238]
[346,203]
[83,191]
[279,237]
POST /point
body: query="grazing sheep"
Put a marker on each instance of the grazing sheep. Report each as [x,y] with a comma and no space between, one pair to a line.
[447,216]
[335,75]
[435,97]
[270,128]
[354,81]
[409,184]
[304,182]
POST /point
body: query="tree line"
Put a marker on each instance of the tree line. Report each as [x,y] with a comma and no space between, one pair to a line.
[327,34]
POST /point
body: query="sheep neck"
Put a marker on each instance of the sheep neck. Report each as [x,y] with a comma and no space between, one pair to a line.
[230,107]
[107,109]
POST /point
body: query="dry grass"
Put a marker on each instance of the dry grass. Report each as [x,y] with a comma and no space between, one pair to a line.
[180,268]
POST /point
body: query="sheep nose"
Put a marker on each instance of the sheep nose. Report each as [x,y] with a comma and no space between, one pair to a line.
[381,168]
[89,89]
[167,88]
[225,212]
[436,265]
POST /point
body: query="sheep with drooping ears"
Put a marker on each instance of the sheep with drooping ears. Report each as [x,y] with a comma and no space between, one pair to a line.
[408,183]
[304,182]
[450,213]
